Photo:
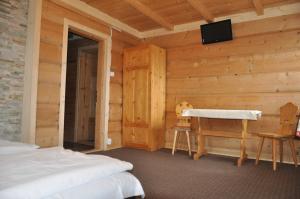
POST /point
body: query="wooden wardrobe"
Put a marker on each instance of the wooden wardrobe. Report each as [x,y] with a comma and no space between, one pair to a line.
[144,91]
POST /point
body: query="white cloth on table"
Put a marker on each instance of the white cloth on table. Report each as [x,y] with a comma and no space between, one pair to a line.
[223,113]
[298,129]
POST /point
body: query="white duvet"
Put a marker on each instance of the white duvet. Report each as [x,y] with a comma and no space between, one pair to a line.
[44,172]
[116,186]
[9,147]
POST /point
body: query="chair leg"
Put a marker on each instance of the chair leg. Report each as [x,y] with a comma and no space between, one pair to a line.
[274,141]
[174,142]
[178,139]
[259,148]
[292,145]
[188,142]
[281,150]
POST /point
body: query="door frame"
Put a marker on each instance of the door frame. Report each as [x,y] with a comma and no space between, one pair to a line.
[79,51]
[32,51]
[103,79]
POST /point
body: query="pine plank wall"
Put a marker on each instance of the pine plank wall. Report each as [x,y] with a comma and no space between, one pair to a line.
[259,69]
[50,70]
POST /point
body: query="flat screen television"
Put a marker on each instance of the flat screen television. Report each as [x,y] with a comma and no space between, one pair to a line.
[216,32]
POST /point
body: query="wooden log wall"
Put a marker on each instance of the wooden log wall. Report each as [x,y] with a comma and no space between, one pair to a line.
[50,70]
[259,69]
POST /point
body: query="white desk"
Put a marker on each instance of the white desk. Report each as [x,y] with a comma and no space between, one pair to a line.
[243,115]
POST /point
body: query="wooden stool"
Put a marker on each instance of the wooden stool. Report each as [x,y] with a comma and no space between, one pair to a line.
[183,125]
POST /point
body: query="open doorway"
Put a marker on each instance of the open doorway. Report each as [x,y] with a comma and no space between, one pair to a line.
[104,43]
[80,93]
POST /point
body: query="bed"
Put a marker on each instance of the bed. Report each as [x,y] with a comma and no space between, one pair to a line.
[29,172]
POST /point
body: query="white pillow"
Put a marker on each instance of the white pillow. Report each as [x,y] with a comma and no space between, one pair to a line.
[9,147]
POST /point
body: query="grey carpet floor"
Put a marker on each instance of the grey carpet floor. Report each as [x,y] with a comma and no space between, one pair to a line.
[164,176]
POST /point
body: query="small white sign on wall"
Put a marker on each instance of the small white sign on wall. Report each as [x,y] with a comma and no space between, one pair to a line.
[109,141]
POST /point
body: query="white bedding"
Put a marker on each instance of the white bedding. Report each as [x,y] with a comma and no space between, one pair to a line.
[116,186]
[9,147]
[43,173]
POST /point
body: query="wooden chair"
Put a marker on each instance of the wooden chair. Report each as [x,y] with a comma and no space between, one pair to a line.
[288,121]
[183,125]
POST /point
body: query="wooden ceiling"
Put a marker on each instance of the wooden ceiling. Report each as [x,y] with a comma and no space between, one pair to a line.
[145,15]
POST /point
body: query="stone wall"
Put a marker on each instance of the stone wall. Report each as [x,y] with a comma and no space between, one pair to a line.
[13,27]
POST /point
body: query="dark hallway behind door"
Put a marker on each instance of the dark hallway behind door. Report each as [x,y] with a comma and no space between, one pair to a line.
[81,93]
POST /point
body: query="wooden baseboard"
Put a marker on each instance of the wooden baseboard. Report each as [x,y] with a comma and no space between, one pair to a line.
[221,151]
[232,153]
[91,151]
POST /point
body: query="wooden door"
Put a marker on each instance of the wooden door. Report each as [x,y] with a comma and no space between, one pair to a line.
[87,96]
[136,112]
[136,106]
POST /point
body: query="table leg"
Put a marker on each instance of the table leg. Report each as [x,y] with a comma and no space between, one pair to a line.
[274,156]
[201,143]
[243,154]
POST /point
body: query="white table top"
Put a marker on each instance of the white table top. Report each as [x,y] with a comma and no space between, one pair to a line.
[223,114]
